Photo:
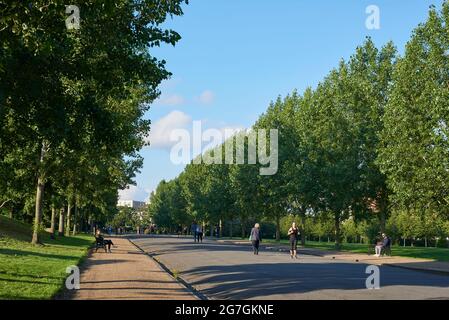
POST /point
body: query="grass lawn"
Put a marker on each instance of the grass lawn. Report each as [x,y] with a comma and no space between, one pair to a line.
[439,254]
[36,271]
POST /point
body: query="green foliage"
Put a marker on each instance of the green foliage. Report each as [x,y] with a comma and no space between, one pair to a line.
[414,153]
[365,152]
[72,102]
[126,217]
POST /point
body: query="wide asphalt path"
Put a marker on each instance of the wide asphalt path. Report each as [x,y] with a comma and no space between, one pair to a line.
[229,271]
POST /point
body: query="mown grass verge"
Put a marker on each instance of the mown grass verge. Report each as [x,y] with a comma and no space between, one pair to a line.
[36,271]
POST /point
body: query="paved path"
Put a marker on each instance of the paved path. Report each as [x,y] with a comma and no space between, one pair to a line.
[126,273]
[230,271]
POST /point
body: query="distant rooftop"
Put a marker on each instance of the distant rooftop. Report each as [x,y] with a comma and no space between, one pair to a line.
[131,204]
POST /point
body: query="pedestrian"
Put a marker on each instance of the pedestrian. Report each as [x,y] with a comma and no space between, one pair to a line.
[217,231]
[255,238]
[199,232]
[293,238]
[193,229]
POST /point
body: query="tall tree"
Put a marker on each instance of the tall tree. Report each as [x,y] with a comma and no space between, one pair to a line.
[415,147]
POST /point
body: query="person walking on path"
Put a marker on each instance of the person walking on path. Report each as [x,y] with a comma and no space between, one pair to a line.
[255,238]
[193,229]
[293,237]
[199,232]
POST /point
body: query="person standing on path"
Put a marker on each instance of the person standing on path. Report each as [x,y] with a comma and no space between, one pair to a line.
[255,238]
[193,229]
[293,237]
[199,232]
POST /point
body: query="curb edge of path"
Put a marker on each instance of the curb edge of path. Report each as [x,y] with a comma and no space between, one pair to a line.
[431,271]
[178,279]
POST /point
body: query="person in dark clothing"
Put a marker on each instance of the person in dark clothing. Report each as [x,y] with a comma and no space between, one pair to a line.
[199,232]
[100,238]
[217,231]
[293,238]
[386,243]
[255,238]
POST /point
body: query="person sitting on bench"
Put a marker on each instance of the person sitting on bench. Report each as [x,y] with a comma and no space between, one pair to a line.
[107,243]
[386,244]
[378,248]
[383,246]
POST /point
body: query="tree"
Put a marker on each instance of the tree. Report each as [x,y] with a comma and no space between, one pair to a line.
[343,122]
[97,81]
[414,153]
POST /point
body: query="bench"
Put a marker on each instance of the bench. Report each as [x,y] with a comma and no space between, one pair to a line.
[99,243]
[386,251]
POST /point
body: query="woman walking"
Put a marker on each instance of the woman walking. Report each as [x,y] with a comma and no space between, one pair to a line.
[255,238]
[293,235]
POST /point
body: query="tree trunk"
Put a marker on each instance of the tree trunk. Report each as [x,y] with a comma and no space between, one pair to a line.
[38,217]
[337,232]
[74,220]
[303,229]
[61,222]
[69,215]
[278,228]
[39,195]
[11,212]
[53,222]
[230,229]
[220,226]
[425,242]
[211,230]
[383,222]
[242,228]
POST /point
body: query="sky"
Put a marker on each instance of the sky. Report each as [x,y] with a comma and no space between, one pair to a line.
[236,56]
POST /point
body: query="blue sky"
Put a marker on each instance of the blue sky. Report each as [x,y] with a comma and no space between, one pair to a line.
[236,56]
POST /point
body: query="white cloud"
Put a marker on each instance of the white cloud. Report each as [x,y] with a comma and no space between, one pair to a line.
[133,193]
[170,100]
[159,136]
[207,97]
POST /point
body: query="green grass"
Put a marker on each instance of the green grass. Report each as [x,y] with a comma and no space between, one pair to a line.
[438,254]
[36,271]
